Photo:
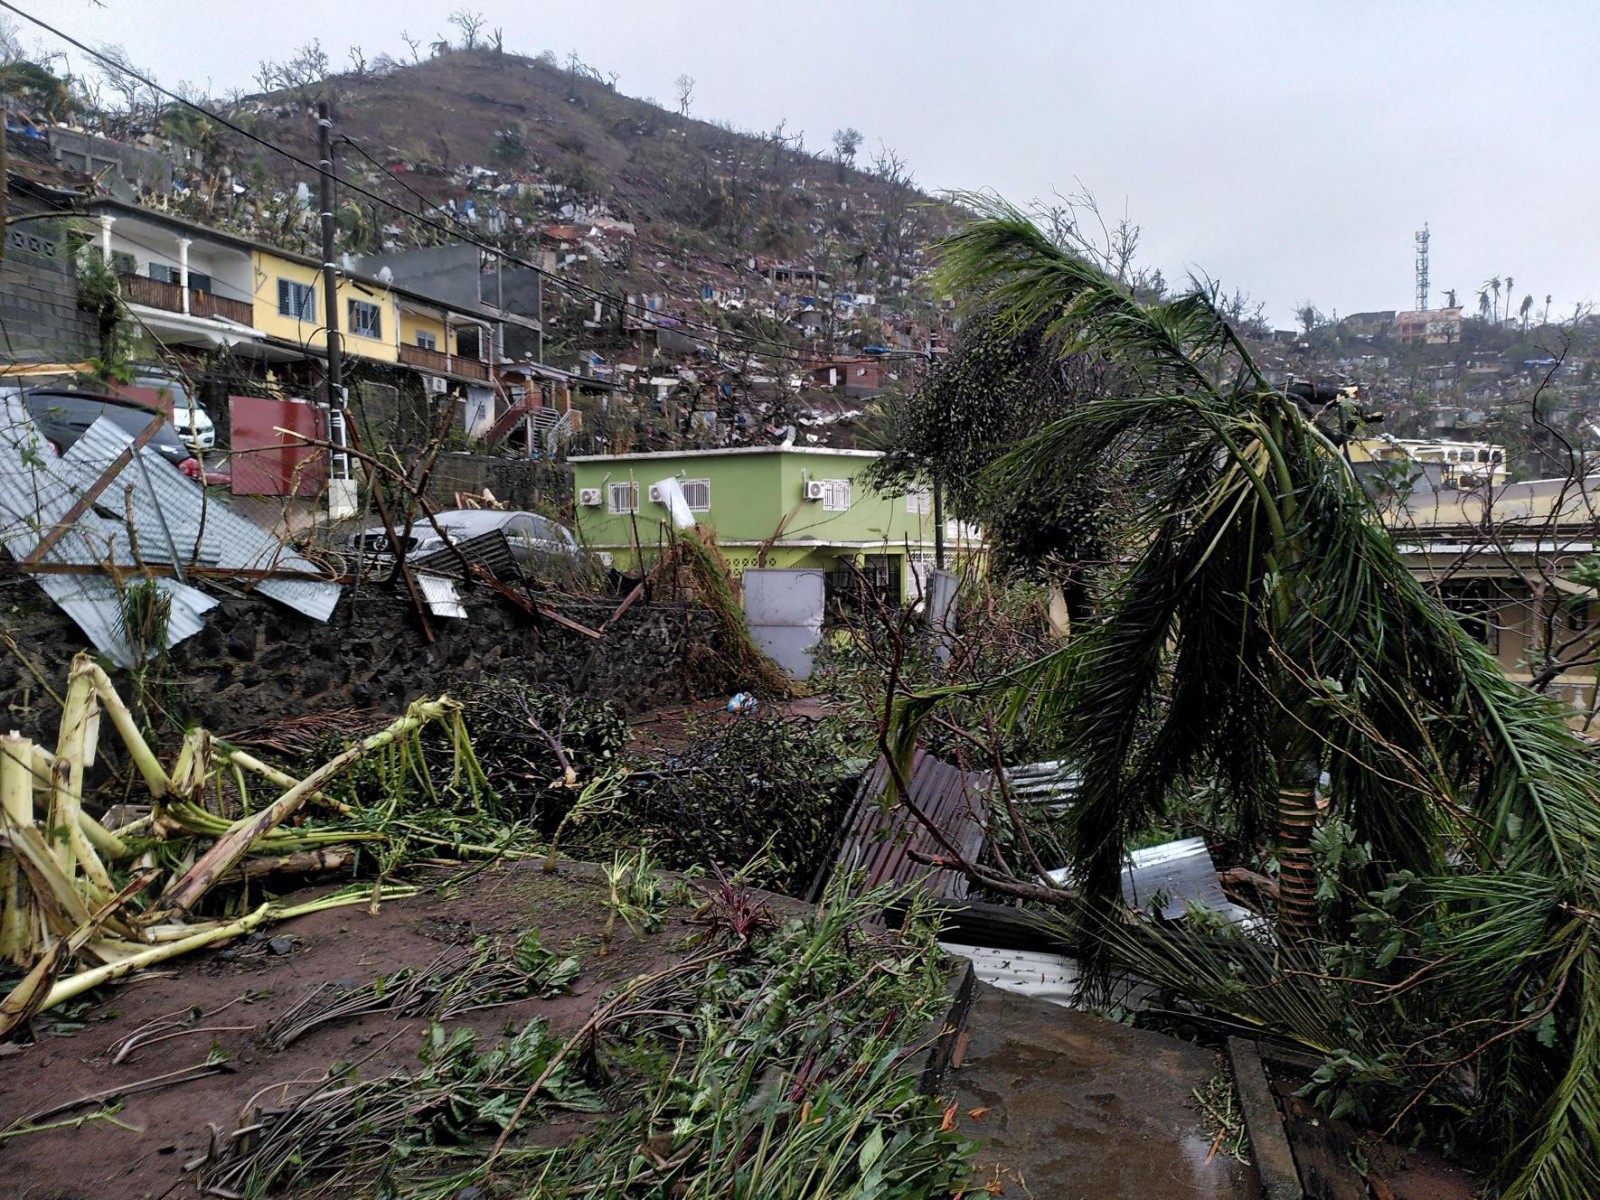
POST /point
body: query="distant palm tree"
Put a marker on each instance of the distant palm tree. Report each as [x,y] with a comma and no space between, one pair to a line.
[1527,307]
[1268,632]
[1545,320]
[1510,284]
[1483,305]
[1494,286]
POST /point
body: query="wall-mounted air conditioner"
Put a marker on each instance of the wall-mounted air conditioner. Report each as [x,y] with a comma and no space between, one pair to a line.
[815,489]
[438,384]
[589,497]
[656,496]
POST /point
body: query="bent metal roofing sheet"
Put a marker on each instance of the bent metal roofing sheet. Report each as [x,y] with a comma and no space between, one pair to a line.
[172,521]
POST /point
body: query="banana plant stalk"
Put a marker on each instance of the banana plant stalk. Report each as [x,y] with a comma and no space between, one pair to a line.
[16,802]
[233,845]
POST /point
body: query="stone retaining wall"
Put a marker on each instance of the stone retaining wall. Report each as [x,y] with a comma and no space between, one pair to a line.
[257,662]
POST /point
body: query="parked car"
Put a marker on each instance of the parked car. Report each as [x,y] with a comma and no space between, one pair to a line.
[529,535]
[156,387]
[64,415]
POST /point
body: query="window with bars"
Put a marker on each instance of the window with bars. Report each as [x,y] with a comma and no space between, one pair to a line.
[365,320]
[297,300]
[836,495]
[623,497]
[697,492]
[850,588]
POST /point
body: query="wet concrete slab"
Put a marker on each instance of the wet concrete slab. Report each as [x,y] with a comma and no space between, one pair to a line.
[1080,1108]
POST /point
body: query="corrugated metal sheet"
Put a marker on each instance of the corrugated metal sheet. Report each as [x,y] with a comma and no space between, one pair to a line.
[203,529]
[878,842]
[172,521]
[444,599]
[1051,783]
[1052,977]
[1175,875]
[37,490]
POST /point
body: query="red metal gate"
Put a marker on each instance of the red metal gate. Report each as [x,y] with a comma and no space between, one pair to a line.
[268,463]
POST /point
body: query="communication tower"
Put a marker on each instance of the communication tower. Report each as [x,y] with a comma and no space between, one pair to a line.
[1422,268]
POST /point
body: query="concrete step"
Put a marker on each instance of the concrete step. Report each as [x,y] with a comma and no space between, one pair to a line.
[1081,1108]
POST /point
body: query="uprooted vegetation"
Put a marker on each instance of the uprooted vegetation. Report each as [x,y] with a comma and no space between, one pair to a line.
[196,864]
[777,1057]
[754,1048]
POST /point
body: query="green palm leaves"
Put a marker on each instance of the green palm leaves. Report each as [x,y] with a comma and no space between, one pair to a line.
[1264,631]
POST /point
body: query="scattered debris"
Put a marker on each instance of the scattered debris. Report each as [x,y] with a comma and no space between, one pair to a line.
[458,981]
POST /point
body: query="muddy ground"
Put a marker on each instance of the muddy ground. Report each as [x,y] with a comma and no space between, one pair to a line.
[159,1131]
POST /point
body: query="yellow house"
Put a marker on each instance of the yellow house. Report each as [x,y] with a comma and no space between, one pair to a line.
[188,284]
[288,304]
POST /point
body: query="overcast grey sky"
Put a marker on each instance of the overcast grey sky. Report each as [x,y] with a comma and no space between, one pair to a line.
[1290,149]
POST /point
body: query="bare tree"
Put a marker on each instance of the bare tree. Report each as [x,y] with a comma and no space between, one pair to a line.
[470,23]
[1076,223]
[358,62]
[11,50]
[1309,316]
[684,85]
[413,44]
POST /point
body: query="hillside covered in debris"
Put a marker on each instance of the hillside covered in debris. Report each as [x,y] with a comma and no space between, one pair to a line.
[551,164]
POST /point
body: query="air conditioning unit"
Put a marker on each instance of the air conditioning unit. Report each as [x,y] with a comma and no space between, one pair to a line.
[655,495]
[589,497]
[437,384]
[815,489]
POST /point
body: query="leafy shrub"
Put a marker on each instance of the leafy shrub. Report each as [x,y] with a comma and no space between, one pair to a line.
[738,787]
[516,728]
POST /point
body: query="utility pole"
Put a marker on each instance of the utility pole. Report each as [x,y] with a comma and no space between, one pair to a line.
[336,399]
[938,524]
[5,185]
[330,283]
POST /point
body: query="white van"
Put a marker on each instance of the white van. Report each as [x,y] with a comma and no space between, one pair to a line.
[192,422]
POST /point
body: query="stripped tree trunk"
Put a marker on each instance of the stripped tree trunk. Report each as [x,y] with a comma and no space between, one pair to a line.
[1297,875]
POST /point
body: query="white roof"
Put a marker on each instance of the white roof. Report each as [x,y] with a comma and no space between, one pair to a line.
[823,451]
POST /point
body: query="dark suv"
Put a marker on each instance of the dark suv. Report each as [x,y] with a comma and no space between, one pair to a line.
[63,416]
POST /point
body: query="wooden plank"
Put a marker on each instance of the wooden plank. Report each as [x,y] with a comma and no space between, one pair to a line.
[93,491]
[1321,1150]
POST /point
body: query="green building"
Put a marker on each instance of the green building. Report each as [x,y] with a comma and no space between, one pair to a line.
[808,506]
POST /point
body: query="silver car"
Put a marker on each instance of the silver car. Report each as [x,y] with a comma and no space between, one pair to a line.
[529,535]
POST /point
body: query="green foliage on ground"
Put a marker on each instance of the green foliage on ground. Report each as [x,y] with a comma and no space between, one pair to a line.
[758,786]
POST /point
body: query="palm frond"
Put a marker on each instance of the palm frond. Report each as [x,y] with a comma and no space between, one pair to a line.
[1266,611]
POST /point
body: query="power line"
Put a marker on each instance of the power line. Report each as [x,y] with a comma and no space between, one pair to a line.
[794,354]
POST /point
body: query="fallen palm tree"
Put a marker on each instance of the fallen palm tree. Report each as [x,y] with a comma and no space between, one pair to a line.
[74,892]
[1434,823]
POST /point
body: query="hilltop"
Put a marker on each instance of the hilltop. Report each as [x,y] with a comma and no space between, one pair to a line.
[552,164]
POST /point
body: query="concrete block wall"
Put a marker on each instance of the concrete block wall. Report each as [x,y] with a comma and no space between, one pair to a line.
[40,320]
